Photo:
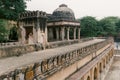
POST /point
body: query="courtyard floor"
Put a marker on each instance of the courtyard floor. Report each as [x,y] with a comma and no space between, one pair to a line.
[114,72]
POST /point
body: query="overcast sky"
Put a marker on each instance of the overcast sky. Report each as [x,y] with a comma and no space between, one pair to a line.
[95,8]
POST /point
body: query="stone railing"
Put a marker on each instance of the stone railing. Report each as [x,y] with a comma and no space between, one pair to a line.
[16,49]
[66,42]
[44,68]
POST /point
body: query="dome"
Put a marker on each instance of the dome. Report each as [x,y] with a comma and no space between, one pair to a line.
[63,13]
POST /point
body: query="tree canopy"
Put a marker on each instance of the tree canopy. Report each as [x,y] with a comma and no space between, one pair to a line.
[10,9]
[13,33]
[88,26]
[118,28]
[3,30]
[108,26]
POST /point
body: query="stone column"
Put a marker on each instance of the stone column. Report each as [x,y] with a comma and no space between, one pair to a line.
[34,34]
[23,35]
[38,35]
[37,31]
[62,33]
[46,34]
[68,33]
[78,33]
[74,33]
[57,33]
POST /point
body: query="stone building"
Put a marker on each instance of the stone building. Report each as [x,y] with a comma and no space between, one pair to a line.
[40,27]
[33,27]
[61,22]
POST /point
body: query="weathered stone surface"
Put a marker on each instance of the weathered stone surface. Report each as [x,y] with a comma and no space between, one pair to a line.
[29,75]
[50,60]
[17,50]
[114,72]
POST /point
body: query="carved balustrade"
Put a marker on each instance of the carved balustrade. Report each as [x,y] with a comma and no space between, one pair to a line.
[44,68]
[32,14]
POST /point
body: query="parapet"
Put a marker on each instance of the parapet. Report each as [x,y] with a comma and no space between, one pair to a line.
[32,14]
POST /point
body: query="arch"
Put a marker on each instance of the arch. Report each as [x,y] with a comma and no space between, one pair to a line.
[88,78]
[95,74]
[55,61]
[50,63]
[103,63]
[109,55]
[100,67]
[44,66]
[63,59]
[107,59]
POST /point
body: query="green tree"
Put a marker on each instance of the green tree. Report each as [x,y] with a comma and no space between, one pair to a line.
[89,26]
[118,28]
[108,25]
[3,30]
[10,9]
[13,33]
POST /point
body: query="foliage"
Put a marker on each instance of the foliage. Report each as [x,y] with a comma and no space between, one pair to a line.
[89,26]
[3,30]
[10,9]
[108,26]
[13,33]
[118,28]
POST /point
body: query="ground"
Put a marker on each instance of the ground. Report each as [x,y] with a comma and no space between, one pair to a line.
[114,72]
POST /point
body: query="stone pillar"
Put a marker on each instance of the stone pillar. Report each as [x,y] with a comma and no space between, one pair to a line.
[74,33]
[38,35]
[68,33]
[38,31]
[78,33]
[46,34]
[57,33]
[62,33]
[22,35]
[34,34]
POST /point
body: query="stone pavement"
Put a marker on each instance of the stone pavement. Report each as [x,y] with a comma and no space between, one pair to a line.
[9,64]
[114,72]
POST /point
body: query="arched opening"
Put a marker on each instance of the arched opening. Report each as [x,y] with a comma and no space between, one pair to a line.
[104,63]
[100,67]
[106,59]
[29,34]
[88,78]
[95,74]
[109,56]
[71,33]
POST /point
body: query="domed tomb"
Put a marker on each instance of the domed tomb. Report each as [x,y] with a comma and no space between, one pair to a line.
[63,13]
[62,22]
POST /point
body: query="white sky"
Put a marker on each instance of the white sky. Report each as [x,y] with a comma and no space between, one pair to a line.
[95,8]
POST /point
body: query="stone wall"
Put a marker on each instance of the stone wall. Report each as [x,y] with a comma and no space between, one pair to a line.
[44,68]
[16,49]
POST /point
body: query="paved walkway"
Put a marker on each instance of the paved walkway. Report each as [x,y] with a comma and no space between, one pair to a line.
[114,72]
[12,63]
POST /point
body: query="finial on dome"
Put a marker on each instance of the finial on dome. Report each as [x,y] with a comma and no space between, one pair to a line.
[63,5]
